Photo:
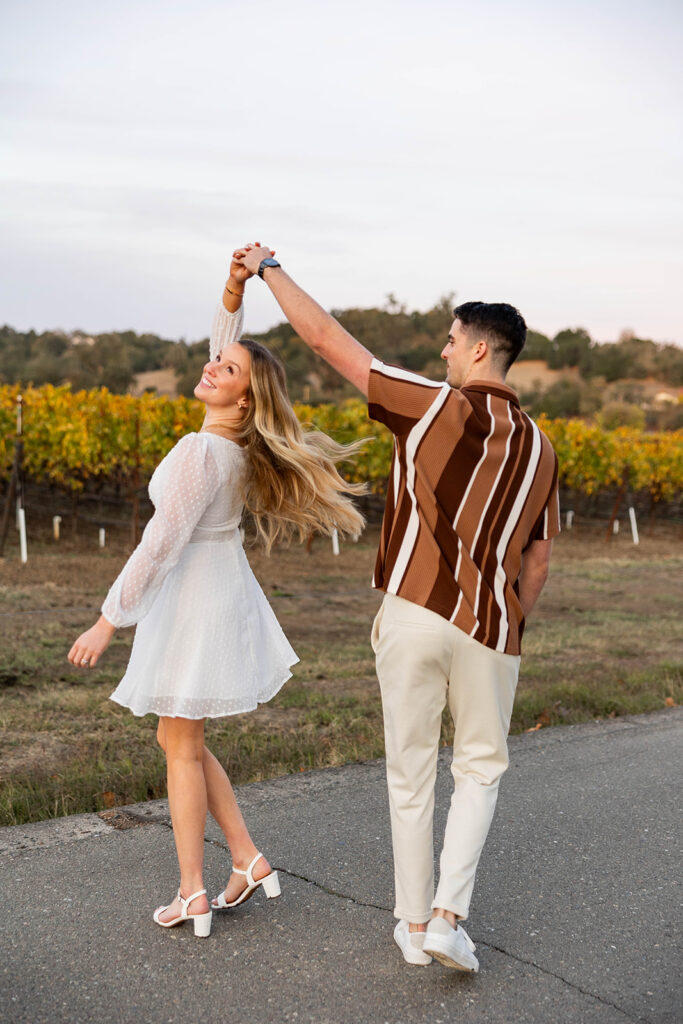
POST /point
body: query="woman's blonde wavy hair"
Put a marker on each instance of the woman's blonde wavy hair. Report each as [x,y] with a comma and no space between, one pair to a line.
[294,485]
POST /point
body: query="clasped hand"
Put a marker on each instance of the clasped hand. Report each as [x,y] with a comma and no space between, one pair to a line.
[247,260]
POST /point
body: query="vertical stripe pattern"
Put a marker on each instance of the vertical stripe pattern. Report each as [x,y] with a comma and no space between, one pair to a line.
[473,482]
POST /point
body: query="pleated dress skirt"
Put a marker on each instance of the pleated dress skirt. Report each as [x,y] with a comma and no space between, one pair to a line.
[210,645]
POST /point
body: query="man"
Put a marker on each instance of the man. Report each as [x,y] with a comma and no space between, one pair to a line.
[471,511]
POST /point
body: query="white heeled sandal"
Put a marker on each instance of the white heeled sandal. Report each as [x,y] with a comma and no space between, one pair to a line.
[270,883]
[202,922]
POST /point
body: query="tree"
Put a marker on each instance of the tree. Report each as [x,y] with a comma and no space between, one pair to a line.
[569,348]
[562,399]
[538,346]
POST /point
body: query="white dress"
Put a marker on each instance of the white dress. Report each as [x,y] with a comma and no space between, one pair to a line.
[207,642]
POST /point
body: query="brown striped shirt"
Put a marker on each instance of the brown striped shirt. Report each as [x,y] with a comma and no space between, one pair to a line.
[473,482]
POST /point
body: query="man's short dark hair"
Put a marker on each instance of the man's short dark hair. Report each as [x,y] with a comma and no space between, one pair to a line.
[499,324]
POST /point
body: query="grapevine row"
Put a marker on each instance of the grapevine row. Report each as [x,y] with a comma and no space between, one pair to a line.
[73,439]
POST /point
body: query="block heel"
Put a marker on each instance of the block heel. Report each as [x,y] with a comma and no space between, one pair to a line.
[271,885]
[202,924]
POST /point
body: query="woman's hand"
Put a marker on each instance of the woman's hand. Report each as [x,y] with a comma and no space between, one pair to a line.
[238,272]
[86,652]
[239,254]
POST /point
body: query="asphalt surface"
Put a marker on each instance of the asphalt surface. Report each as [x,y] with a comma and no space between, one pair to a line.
[575,912]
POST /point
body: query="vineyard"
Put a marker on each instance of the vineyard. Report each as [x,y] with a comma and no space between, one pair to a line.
[83,440]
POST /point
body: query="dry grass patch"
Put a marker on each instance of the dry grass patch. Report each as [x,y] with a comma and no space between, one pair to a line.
[606,640]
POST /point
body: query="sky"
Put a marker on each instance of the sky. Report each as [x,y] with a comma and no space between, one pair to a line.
[527,152]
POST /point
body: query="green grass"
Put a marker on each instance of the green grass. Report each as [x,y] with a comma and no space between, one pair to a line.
[606,641]
[604,694]
[118,762]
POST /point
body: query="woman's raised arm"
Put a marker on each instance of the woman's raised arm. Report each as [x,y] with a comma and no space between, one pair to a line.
[229,316]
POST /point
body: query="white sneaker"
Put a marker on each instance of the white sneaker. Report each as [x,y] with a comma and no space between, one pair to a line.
[410,944]
[452,947]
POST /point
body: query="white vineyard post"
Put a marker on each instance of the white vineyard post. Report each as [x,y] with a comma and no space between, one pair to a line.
[634,525]
[335,542]
[22,536]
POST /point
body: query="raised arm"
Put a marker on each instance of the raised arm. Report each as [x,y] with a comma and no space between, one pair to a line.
[320,331]
[229,315]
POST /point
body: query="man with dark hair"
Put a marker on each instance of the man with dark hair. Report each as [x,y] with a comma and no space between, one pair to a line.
[471,510]
[498,323]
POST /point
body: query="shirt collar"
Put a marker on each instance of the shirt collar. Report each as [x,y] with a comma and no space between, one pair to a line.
[490,387]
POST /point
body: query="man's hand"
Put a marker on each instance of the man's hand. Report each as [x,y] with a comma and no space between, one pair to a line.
[252,256]
[92,644]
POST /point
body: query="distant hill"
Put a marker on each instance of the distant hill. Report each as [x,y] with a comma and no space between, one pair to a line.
[567,375]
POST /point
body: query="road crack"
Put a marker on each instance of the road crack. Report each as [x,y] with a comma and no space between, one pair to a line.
[560,977]
[480,942]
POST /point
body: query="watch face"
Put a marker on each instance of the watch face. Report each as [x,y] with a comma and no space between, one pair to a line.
[268,262]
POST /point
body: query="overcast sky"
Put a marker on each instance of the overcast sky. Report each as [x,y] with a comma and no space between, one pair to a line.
[528,152]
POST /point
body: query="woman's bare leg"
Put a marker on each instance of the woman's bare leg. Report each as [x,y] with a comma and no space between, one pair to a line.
[224,808]
[183,742]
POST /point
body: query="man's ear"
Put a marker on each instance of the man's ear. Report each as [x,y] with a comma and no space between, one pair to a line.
[480,350]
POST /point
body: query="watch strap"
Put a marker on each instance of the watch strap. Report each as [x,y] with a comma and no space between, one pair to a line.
[264,264]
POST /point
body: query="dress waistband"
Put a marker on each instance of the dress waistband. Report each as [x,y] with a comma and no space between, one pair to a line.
[214,535]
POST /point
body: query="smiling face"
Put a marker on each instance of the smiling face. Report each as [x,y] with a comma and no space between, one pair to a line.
[225,380]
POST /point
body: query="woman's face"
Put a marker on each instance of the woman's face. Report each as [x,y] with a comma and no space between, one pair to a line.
[225,380]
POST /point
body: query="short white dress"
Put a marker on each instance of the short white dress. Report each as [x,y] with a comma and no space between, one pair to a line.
[207,642]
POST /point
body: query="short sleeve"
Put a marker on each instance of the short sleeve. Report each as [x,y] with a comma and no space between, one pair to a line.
[226,329]
[191,481]
[399,398]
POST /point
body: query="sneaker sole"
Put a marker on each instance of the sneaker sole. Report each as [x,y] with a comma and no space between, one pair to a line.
[448,961]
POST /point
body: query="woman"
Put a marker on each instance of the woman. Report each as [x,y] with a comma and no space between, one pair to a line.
[207,642]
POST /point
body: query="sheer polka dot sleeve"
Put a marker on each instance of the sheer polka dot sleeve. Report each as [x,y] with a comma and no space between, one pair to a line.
[191,481]
[226,328]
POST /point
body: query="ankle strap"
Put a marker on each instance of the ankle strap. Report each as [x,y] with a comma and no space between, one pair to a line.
[186,902]
[241,871]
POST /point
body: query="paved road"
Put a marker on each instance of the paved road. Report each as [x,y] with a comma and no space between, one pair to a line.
[575,912]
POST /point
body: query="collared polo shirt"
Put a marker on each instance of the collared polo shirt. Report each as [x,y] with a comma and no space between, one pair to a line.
[473,482]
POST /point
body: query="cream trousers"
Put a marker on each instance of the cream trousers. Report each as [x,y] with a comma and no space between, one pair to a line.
[422,662]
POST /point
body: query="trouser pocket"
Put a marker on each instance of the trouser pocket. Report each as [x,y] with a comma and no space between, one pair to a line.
[374,634]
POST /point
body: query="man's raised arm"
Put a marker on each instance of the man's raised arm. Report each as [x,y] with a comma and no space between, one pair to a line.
[320,331]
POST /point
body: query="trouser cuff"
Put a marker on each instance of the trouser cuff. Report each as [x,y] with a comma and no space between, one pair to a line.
[413,918]
[460,911]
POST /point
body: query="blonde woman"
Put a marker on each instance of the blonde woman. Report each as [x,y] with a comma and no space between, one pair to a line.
[207,642]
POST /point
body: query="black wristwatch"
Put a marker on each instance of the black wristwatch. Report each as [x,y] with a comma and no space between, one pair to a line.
[268,262]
